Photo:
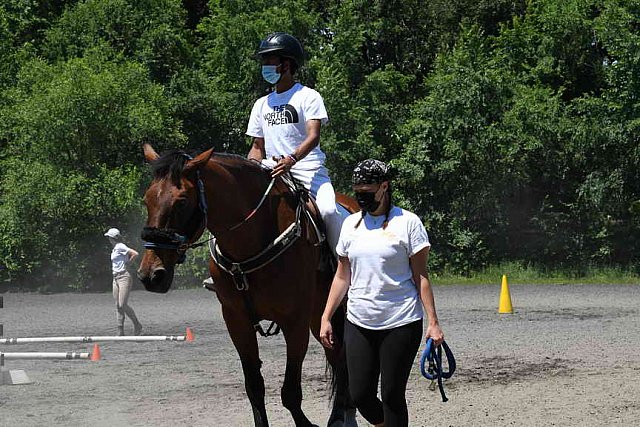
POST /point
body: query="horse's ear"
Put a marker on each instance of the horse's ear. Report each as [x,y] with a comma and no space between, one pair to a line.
[149,153]
[198,161]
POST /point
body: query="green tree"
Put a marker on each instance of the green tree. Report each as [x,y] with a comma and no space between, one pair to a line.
[73,160]
[149,31]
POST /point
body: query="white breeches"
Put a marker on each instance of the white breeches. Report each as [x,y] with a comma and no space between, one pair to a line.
[319,185]
[121,288]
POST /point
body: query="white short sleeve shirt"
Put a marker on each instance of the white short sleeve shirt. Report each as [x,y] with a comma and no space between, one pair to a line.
[280,118]
[119,258]
[382,294]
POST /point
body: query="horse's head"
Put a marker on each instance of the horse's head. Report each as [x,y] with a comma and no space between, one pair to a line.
[175,214]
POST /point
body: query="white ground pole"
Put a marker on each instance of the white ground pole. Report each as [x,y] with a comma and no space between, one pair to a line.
[19,377]
[12,376]
[70,355]
[139,338]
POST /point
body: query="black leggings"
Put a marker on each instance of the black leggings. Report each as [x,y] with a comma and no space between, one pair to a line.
[386,353]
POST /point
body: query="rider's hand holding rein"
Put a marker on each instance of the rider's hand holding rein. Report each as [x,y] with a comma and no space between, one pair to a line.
[285,163]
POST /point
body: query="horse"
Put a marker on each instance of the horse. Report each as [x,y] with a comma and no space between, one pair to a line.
[246,210]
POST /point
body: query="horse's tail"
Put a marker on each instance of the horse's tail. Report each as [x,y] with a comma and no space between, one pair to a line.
[338,370]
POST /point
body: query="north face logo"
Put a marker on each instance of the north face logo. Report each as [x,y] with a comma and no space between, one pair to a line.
[282,115]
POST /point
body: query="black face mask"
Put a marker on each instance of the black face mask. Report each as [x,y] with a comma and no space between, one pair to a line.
[367,200]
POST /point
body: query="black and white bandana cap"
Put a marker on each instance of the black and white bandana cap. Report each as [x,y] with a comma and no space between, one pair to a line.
[370,171]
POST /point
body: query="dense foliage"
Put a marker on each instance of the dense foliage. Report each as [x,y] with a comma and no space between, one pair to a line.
[513,125]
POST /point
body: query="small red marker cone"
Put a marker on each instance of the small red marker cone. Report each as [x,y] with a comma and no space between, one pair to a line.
[189,335]
[95,354]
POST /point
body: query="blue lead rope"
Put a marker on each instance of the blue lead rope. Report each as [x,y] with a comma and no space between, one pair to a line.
[434,357]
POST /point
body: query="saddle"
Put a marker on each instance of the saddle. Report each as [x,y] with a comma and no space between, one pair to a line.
[316,228]
[310,210]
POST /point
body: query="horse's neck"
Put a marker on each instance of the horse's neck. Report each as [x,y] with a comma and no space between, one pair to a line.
[234,191]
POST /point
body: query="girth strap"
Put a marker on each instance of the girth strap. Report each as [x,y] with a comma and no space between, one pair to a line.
[273,328]
[239,270]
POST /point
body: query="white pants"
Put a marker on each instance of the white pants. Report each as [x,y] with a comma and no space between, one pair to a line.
[121,288]
[318,183]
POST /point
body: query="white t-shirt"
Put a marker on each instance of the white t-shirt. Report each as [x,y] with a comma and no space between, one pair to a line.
[119,258]
[280,118]
[382,294]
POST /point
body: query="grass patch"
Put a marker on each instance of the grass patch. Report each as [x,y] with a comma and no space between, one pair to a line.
[524,273]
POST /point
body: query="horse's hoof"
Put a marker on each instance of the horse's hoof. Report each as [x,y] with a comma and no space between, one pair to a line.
[350,418]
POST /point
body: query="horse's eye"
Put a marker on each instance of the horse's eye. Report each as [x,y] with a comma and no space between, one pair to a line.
[180,203]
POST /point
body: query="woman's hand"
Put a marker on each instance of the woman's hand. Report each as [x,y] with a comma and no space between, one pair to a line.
[434,331]
[326,333]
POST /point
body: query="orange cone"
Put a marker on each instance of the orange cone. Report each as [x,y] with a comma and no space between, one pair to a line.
[95,354]
[189,335]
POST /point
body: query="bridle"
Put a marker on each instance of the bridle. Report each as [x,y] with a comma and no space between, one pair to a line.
[172,239]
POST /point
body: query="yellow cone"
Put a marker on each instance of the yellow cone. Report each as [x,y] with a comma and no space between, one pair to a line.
[505,298]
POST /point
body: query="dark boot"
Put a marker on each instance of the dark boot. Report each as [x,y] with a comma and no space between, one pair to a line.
[137,328]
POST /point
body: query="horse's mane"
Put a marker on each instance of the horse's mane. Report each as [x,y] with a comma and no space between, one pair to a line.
[172,163]
[234,161]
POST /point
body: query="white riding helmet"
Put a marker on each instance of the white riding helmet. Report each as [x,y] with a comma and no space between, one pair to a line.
[113,232]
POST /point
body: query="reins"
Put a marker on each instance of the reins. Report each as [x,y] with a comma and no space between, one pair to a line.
[157,238]
[434,373]
[186,246]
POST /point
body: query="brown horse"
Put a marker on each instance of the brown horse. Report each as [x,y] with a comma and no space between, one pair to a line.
[232,197]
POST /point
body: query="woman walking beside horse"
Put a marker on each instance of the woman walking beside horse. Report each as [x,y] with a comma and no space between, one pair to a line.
[382,263]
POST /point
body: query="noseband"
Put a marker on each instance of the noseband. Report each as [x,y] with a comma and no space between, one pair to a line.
[171,239]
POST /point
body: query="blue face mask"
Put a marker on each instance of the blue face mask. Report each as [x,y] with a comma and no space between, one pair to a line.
[270,74]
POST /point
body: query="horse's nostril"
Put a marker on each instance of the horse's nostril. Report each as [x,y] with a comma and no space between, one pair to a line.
[144,279]
[158,275]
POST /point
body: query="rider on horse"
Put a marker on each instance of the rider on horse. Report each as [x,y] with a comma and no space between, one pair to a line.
[285,127]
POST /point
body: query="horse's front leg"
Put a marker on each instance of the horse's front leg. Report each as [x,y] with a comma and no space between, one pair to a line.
[296,334]
[245,341]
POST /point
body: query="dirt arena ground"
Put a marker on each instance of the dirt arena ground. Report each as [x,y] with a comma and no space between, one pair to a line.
[569,356]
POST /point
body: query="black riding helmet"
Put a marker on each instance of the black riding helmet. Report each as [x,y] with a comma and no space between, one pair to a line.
[284,45]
